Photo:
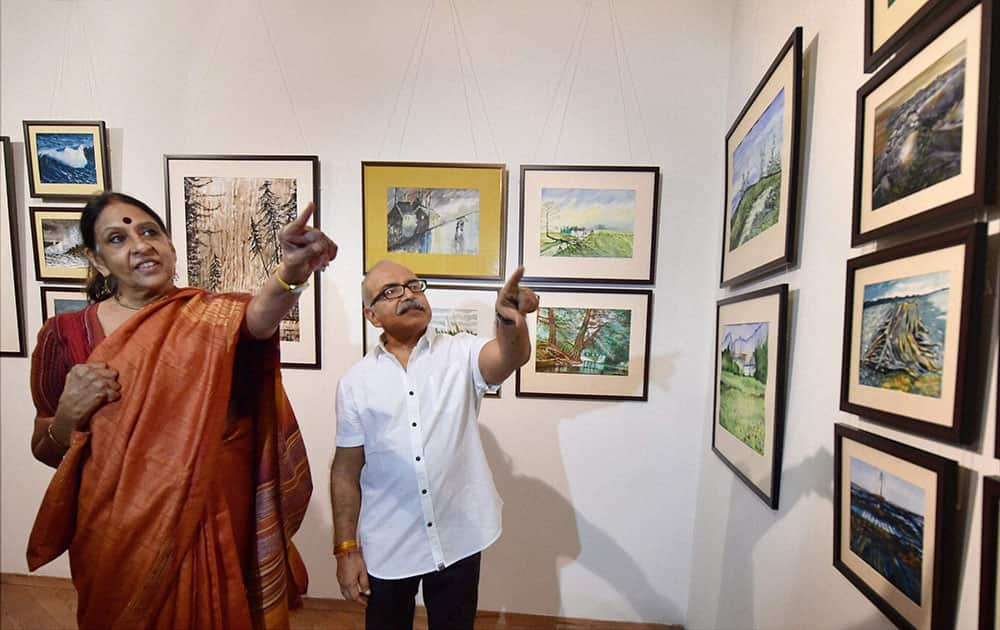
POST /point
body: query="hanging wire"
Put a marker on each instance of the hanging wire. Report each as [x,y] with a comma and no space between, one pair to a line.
[572,82]
[421,34]
[416,76]
[461,72]
[562,76]
[204,77]
[281,73]
[91,68]
[475,79]
[621,80]
[62,61]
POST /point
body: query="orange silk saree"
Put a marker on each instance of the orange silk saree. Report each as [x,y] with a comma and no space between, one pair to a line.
[147,500]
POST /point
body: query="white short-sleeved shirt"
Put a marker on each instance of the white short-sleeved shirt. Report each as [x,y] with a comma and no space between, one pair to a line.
[427,493]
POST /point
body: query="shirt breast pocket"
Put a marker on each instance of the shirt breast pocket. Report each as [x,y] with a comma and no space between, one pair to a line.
[384,424]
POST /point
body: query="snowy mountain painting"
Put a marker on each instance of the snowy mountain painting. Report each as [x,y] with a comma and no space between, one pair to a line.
[755,187]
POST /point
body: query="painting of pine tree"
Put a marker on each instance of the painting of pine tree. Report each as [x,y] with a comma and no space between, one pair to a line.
[232,226]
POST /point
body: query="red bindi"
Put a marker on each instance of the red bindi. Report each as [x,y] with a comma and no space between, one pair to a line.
[126,220]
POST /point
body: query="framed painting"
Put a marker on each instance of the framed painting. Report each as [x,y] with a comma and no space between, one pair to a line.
[67,159]
[589,223]
[232,209]
[454,309]
[762,172]
[590,343]
[889,24]
[12,342]
[923,147]
[750,363]
[989,587]
[58,244]
[59,300]
[910,334]
[440,220]
[894,527]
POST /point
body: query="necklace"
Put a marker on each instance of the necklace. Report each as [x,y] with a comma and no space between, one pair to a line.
[131,308]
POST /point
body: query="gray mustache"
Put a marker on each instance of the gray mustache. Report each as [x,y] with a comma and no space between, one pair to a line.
[407,305]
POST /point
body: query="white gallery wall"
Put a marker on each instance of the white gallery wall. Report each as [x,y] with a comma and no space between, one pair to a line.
[612,510]
[752,567]
[600,497]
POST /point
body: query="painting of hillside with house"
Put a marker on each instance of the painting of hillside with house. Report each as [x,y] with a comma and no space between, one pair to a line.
[743,382]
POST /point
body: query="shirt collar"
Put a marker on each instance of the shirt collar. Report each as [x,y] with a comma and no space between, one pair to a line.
[426,339]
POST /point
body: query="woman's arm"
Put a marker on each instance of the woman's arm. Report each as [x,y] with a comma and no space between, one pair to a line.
[305,249]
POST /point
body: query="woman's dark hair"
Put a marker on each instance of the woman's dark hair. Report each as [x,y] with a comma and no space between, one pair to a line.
[100,287]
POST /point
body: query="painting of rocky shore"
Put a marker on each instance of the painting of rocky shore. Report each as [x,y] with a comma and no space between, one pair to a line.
[918,131]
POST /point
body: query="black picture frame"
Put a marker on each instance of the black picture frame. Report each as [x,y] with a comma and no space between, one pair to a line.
[575,383]
[639,267]
[49,295]
[882,454]
[973,185]
[874,55]
[777,250]
[234,171]
[989,608]
[955,422]
[13,297]
[64,159]
[743,458]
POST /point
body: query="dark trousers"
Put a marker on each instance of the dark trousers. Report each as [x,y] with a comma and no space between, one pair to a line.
[450,595]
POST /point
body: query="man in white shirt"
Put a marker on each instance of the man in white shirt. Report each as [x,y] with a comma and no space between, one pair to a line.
[413,496]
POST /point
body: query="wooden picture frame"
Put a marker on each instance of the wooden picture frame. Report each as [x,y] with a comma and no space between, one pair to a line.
[926,131]
[67,159]
[57,244]
[911,328]
[608,357]
[12,335]
[762,172]
[894,527]
[888,26]
[751,358]
[231,209]
[442,220]
[989,595]
[59,300]
[589,223]
[454,308]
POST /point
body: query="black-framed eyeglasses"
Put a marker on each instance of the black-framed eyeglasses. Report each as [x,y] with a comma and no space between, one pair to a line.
[393,291]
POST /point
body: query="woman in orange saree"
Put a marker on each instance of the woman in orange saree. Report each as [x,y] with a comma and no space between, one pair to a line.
[181,474]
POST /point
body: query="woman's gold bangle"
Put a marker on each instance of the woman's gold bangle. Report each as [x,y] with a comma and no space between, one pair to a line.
[52,436]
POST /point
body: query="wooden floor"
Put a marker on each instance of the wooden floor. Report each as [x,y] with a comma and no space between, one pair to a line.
[30,602]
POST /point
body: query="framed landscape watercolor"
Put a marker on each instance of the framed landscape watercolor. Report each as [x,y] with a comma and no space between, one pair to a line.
[67,159]
[910,334]
[440,220]
[12,335]
[589,223]
[750,362]
[889,24]
[762,172]
[894,527]
[989,587]
[232,209]
[590,343]
[59,300]
[454,309]
[923,147]
[58,244]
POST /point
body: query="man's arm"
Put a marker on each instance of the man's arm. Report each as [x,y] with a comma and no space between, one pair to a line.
[512,347]
[345,495]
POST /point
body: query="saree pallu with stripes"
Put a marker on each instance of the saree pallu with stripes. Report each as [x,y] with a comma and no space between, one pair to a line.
[146,500]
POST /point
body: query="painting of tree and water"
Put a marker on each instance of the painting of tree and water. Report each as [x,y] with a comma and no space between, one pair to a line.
[583,341]
[232,226]
[902,333]
[756,178]
[587,223]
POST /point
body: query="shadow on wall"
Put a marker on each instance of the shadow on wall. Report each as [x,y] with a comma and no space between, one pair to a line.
[541,534]
[749,522]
